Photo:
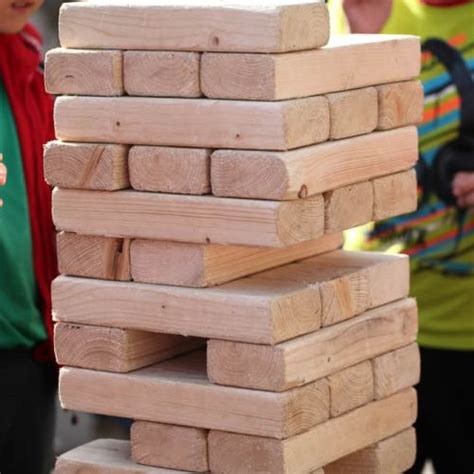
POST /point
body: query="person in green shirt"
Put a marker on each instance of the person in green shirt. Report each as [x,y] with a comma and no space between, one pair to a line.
[439,236]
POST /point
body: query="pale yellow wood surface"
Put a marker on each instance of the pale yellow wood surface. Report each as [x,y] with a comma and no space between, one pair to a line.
[234,454]
[395,195]
[396,371]
[199,265]
[116,350]
[199,219]
[106,258]
[82,72]
[315,169]
[175,447]
[351,388]
[353,112]
[178,392]
[161,73]
[170,170]
[315,355]
[266,26]
[390,456]
[400,104]
[347,62]
[193,122]
[86,166]
[104,456]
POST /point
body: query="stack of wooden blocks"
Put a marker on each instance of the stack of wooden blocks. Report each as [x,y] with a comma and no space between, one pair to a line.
[211,302]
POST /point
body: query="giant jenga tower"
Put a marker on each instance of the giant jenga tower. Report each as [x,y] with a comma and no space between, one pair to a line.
[209,157]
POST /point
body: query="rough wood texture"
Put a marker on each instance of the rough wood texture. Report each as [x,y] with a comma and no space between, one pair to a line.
[111,456]
[199,265]
[178,392]
[390,456]
[396,371]
[269,26]
[353,112]
[301,360]
[86,166]
[81,72]
[315,169]
[351,388]
[348,207]
[162,73]
[378,59]
[106,258]
[193,122]
[116,350]
[233,453]
[400,104]
[175,447]
[395,194]
[199,219]
[170,170]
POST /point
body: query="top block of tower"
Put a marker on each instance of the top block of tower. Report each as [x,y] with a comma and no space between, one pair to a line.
[266,26]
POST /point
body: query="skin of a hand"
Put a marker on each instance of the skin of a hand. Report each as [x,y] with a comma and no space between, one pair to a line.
[14,14]
[367,16]
[463,189]
[3,174]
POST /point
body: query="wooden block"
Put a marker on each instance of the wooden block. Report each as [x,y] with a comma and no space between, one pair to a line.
[390,456]
[176,447]
[396,371]
[353,112]
[312,170]
[395,194]
[378,59]
[86,166]
[193,122]
[116,350]
[351,388]
[170,170]
[111,456]
[178,392]
[198,265]
[400,104]
[269,26]
[200,219]
[81,72]
[162,73]
[307,358]
[233,453]
[348,207]
[106,258]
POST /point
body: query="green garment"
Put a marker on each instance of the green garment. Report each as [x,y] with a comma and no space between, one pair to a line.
[21,323]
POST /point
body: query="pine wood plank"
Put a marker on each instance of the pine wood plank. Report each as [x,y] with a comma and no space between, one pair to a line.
[106,258]
[170,170]
[390,456]
[86,166]
[353,112]
[400,104]
[178,392]
[315,169]
[193,122]
[111,456]
[82,72]
[162,73]
[269,26]
[378,59]
[396,371]
[175,447]
[310,357]
[116,350]
[234,453]
[198,265]
[199,219]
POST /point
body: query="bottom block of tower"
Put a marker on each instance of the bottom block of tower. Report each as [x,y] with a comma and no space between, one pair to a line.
[104,456]
[390,456]
[325,443]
